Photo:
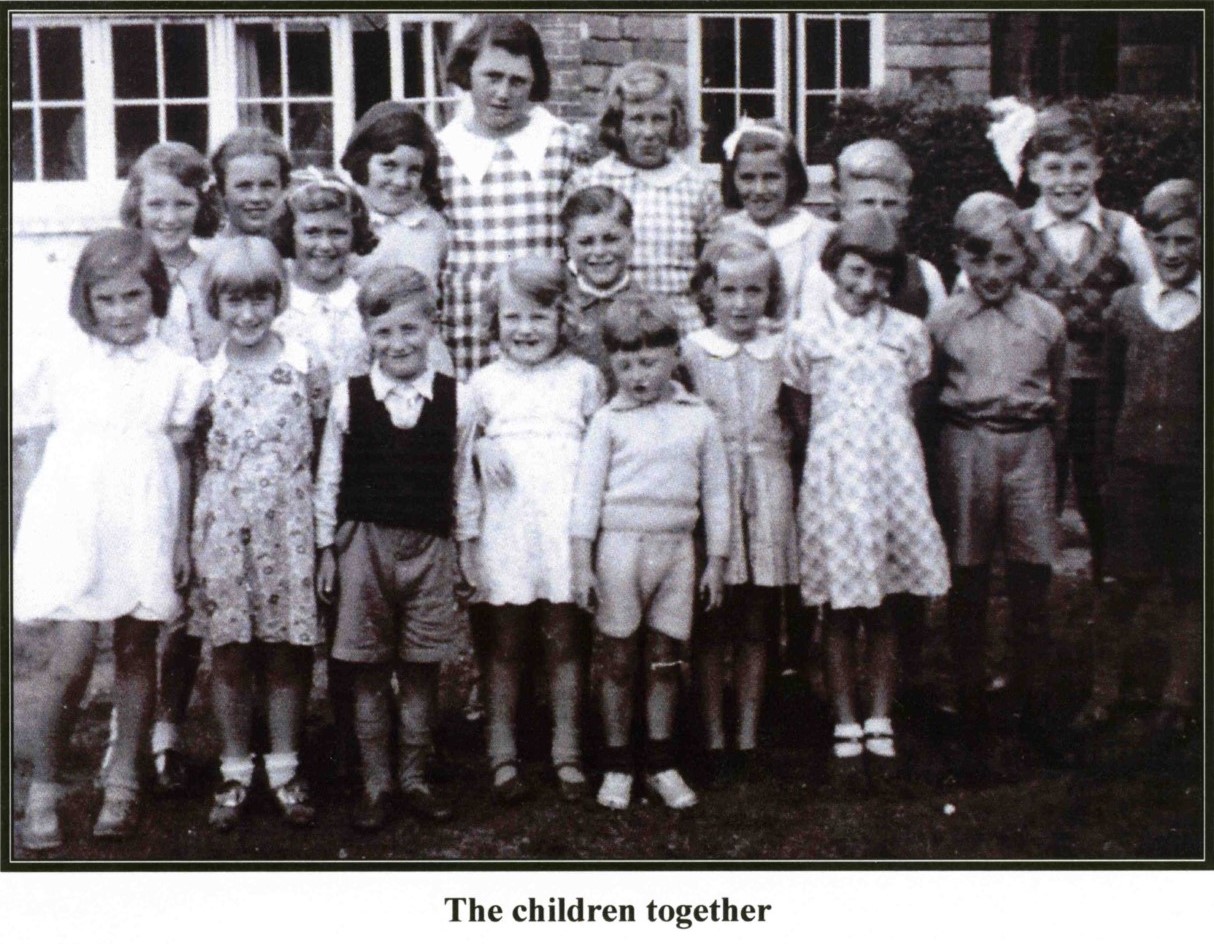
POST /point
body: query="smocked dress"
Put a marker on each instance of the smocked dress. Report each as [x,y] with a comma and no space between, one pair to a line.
[741,385]
[253,527]
[101,516]
[866,523]
[503,197]
[535,417]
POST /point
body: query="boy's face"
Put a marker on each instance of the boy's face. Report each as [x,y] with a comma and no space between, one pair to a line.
[993,275]
[1177,252]
[857,195]
[400,338]
[599,248]
[1067,181]
[645,374]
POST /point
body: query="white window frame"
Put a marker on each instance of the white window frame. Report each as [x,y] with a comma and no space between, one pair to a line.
[433,96]
[876,59]
[36,106]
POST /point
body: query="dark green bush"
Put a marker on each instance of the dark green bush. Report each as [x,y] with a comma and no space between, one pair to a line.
[944,135]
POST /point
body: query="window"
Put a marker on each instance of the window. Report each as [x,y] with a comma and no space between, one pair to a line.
[791,67]
[161,87]
[402,58]
[47,75]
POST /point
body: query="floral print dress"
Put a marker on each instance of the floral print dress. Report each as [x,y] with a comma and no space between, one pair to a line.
[253,529]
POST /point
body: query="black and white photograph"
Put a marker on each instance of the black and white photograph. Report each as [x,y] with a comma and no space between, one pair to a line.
[591,438]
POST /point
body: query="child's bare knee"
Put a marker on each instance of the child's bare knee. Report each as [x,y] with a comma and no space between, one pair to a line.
[662,655]
[619,659]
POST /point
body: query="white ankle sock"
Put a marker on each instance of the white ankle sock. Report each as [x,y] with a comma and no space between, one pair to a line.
[239,769]
[280,768]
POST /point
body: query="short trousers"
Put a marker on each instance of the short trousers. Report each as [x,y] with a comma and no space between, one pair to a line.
[1153,515]
[997,484]
[395,595]
[645,577]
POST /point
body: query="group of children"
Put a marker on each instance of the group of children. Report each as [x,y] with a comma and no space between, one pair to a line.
[585,395]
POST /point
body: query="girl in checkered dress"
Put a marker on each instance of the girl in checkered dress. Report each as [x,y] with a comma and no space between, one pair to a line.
[867,530]
[676,206]
[505,164]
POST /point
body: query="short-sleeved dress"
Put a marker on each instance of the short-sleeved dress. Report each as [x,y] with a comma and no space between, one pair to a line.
[503,199]
[675,208]
[253,526]
[741,384]
[867,529]
[536,416]
[100,519]
[416,238]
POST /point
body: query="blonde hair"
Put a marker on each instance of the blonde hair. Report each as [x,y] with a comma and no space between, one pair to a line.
[636,82]
[979,219]
[736,246]
[244,264]
[537,278]
[874,159]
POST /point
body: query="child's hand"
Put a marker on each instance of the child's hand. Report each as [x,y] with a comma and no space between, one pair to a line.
[585,589]
[468,558]
[326,575]
[712,584]
[181,562]
[494,464]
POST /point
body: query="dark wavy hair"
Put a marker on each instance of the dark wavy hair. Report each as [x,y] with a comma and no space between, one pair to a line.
[870,235]
[758,143]
[109,254]
[384,128]
[593,201]
[511,33]
[186,166]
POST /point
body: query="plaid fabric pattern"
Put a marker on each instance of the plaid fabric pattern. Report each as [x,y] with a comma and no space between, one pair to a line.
[507,214]
[675,210]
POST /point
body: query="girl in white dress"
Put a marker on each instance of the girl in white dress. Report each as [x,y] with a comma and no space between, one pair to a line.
[530,408]
[105,534]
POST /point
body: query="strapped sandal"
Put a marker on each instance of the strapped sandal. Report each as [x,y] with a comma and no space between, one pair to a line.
[574,786]
[511,790]
[879,738]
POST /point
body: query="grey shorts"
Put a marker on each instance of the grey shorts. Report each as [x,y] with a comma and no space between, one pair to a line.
[645,577]
[395,595]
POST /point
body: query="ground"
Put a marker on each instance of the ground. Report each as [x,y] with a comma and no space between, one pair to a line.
[1029,809]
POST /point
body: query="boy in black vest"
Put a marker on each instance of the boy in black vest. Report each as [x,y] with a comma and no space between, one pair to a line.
[384,504]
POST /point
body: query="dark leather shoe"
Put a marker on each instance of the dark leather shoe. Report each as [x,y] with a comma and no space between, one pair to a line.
[422,802]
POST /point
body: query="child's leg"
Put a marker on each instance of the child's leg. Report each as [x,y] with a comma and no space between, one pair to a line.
[134,699]
[708,655]
[909,615]
[418,705]
[760,615]
[563,639]
[883,629]
[288,680]
[1028,587]
[840,642]
[1085,395]
[619,671]
[505,661]
[372,709]
[63,688]
[1109,637]
[801,622]
[178,669]
[662,665]
[231,697]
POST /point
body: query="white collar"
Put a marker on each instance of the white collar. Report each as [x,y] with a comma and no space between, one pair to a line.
[382,385]
[785,233]
[594,292]
[414,217]
[1042,217]
[140,351]
[763,347]
[293,354]
[473,153]
[1153,294]
[342,297]
[665,176]
[1154,290]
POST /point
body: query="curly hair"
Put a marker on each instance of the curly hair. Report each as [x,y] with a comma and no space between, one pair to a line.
[315,191]
[109,254]
[538,279]
[511,33]
[736,246]
[381,130]
[642,81]
[186,166]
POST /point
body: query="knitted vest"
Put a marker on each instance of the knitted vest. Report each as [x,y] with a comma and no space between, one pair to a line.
[400,477]
[1081,292]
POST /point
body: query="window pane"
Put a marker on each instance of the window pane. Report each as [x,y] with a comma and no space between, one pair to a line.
[820,54]
[855,45]
[136,128]
[187,123]
[19,50]
[759,106]
[312,135]
[134,61]
[261,116]
[414,65]
[758,46]
[257,61]
[60,70]
[372,81]
[716,52]
[817,120]
[185,61]
[308,68]
[22,129]
[719,117]
[63,143]
[443,41]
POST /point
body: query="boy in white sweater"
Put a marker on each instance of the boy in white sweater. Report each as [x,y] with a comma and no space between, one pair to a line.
[652,458]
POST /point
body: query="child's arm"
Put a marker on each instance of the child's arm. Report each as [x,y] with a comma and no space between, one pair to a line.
[1135,251]
[1115,382]
[590,487]
[189,414]
[468,503]
[185,503]
[328,482]
[1061,388]
[937,294]
[715,499]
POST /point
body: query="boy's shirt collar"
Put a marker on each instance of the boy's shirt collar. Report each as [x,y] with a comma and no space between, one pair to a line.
[591,293]
[1042,217]
[971,304]
[622,402]
[383,386]
[1172,307]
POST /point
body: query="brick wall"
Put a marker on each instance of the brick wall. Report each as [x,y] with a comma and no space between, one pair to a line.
[952,47]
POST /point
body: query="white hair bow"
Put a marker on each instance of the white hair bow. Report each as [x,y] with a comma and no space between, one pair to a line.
[747,125]
[1014,124]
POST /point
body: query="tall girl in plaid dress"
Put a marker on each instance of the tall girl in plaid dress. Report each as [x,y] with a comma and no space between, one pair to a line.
[676,207]
[506,161]
[867,529]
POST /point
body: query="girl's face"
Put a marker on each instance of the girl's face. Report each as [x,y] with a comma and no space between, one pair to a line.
[762,185]
[322,242]
[645,129]
[859,284]
[600,247]
[247,314]
[122,308]
[394,180]
[1177,252]
[501,89]
[741,291]
[528,333]
[167,211]
[400,339]
[252,188]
